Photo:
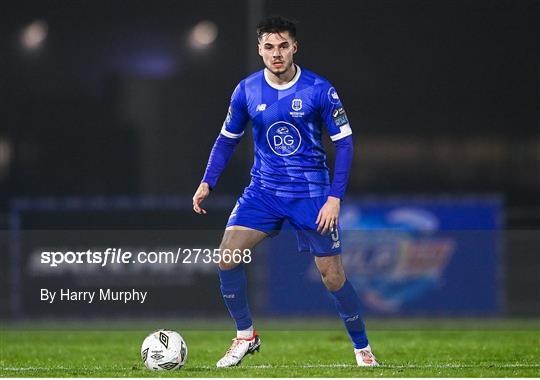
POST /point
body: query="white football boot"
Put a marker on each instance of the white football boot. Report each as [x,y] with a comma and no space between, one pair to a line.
[365,358]
[240,347]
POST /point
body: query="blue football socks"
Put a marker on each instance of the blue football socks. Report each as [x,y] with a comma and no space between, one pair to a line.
[348,306]
[233,290]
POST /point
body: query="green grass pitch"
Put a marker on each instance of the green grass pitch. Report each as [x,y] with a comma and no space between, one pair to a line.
[405,349]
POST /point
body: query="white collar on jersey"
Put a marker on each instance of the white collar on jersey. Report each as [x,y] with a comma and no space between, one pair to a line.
[286,85]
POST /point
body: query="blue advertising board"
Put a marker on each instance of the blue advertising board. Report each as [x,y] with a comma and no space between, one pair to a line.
[404,256]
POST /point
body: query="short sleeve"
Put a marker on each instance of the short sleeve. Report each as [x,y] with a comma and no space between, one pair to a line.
[333,113]
[237,115]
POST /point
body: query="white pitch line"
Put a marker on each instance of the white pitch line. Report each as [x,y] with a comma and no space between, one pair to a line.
[286,366]
[383,366]
[32,369]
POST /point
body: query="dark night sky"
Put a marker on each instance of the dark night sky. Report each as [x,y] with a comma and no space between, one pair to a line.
[404,68]
[436,66]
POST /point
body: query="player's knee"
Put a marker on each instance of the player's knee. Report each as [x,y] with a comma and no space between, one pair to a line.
[226,265]
[333,280]
[225,261]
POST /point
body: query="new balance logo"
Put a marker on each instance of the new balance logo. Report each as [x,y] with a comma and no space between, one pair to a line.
[228,296]
[336,244]
[261,107]
[352,319]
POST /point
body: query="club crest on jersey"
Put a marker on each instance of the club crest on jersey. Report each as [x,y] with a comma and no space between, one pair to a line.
[333,96]
[283,138]
[296,105]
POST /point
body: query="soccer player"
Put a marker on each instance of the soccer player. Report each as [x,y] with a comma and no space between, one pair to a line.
[287,106]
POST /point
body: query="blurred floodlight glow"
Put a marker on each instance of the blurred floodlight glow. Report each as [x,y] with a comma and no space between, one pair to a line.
[34,34]
[203,34]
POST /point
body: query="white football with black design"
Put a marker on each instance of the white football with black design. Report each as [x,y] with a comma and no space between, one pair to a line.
[164,350]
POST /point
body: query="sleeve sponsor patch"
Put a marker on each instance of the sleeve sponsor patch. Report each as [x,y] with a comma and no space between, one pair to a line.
[339,116]
[229,116]
[333,96]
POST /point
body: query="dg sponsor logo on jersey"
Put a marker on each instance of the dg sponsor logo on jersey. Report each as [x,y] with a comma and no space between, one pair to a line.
[283,138]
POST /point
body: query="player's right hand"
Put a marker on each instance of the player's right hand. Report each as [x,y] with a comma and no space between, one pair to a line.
[200,195]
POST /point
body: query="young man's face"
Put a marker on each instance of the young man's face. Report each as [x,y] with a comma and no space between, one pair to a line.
[277,50]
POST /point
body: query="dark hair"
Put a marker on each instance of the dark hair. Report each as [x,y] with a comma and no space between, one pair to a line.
[276,24]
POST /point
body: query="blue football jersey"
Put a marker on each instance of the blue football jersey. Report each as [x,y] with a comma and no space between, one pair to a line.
[287,122]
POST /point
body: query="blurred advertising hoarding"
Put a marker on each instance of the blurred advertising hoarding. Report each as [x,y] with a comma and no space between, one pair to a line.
[404,256]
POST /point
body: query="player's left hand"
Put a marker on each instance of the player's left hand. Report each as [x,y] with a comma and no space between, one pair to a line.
[328,215]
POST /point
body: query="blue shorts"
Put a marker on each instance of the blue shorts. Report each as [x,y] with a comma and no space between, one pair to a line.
[266,212]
